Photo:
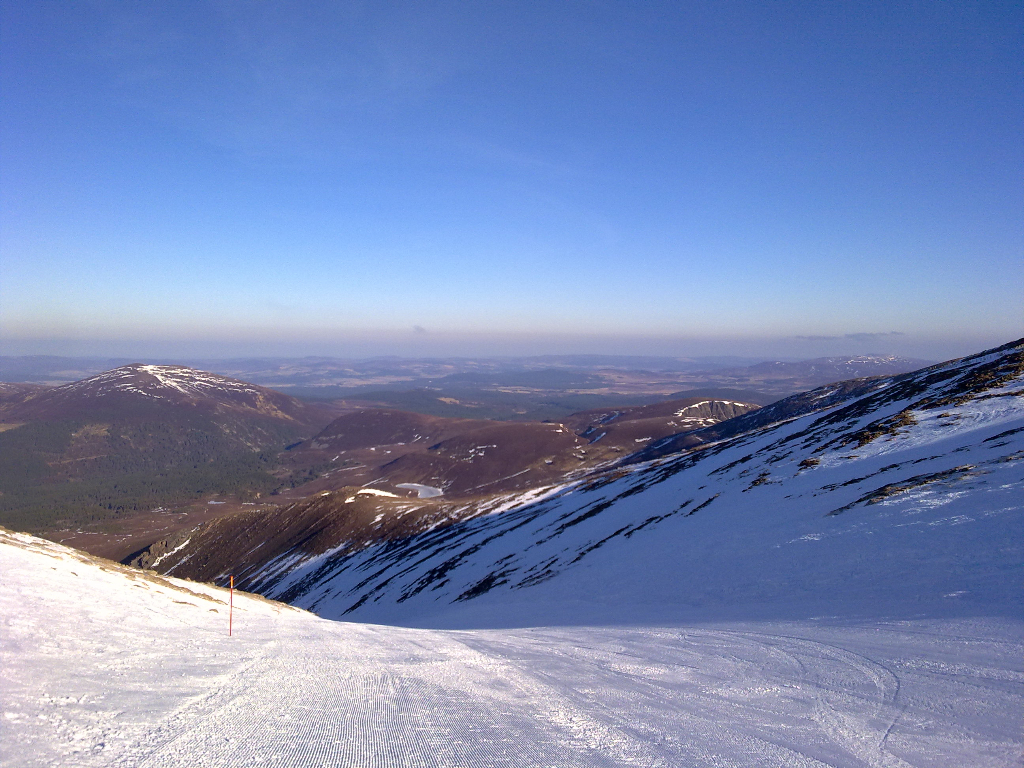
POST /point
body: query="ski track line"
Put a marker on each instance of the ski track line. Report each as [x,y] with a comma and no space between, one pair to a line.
[390,703]
[688,726]
[846,710]
[742,698]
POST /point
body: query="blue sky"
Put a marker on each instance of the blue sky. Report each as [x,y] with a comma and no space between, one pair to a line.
[786,179]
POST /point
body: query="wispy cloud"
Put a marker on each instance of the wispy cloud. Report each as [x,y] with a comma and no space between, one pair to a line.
[287,82]
[853,336]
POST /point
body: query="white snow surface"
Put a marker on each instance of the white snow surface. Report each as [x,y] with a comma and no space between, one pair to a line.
[422,491]
[103,666]
[375,492]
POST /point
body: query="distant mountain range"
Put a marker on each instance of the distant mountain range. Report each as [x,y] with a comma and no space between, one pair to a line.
[323,371]
[828,369]
[547,371]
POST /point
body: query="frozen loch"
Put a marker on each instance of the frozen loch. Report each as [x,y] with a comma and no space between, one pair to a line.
[422,491]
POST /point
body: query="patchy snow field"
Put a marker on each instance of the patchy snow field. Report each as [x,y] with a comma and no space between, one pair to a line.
[905,502]
[105,666]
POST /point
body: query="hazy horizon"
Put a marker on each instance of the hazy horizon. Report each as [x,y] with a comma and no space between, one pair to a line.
[426,345]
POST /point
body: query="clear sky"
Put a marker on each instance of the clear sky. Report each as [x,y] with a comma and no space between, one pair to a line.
[776,178]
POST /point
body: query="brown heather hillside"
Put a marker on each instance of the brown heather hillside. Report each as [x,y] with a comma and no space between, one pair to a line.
[359,503]
[384,448]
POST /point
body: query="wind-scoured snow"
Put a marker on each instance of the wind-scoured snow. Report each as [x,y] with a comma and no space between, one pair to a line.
[904,501]
[105,666]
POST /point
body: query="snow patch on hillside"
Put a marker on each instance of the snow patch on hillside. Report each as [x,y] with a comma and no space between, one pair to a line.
[880,505]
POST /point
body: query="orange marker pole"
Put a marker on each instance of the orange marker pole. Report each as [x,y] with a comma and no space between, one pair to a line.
[231,604]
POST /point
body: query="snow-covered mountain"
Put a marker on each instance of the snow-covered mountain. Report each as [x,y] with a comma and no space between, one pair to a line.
[137,438]
[133,386]
[899,496]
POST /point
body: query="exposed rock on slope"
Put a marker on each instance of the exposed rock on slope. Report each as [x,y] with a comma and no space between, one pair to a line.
[906,385]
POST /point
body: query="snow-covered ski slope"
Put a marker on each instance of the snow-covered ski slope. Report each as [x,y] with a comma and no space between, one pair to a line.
[906,500]
[104,666]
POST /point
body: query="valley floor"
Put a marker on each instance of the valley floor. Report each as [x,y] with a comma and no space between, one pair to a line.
[105,667]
